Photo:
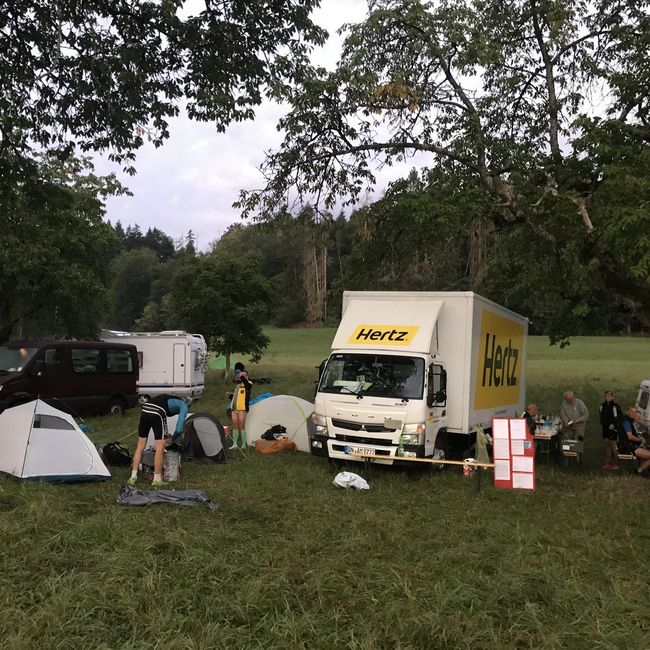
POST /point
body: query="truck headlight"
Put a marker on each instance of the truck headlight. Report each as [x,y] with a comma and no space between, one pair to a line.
[321,429]
[411,438]
[318,419]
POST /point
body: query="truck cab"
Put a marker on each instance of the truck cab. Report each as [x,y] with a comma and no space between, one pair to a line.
[379,404]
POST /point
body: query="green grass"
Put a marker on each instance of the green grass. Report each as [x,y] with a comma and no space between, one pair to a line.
[288,561]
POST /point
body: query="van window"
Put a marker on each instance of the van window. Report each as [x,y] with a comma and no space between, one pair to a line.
[140,359]
[52,361]
[14,359]
[119,361]
[643,400]
[85,360]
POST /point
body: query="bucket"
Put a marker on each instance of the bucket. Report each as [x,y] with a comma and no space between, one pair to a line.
[172,465]
[468,470]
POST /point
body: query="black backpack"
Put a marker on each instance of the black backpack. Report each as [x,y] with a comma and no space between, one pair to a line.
[116,454]
[274,432]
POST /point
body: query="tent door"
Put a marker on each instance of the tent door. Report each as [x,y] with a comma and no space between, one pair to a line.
[179,364]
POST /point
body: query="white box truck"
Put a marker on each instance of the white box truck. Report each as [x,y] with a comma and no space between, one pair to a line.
[170,362]
[415,373]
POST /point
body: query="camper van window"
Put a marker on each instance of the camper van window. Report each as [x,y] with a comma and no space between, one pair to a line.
[140,359]
[14,359]
[643,400]
[51,422]
[85,360]
[118,361]
[377,375]
[197,360]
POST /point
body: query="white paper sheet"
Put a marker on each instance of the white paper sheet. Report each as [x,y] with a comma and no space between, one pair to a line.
[518,429]
[522,464]
[501,470]
[522,481]
[501,448]
[517,447]
[500,428]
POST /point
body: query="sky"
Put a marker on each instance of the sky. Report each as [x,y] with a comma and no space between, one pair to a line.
[191,182]
[193,179]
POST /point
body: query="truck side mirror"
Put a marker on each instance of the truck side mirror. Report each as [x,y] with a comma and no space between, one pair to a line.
[437,386]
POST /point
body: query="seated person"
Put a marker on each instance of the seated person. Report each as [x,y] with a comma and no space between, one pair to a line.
[530,415]
[633,442]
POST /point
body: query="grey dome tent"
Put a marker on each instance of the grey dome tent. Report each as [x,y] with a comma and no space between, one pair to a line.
[40,442]
[203,438]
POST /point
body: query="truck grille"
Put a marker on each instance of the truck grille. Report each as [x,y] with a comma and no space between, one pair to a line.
[364,441]
[356,426]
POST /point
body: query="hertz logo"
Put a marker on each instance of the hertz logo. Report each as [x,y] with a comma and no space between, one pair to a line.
[499,363]
[500,360]
[386,334]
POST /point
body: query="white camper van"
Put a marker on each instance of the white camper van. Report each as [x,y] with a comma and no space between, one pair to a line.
[413,373]
[170,362]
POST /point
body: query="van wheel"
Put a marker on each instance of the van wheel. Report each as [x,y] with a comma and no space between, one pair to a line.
[116,407]
[143,399]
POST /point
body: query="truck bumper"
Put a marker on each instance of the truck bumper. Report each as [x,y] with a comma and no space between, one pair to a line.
[326,447]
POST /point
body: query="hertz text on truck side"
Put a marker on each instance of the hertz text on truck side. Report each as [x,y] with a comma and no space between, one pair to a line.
[498,375]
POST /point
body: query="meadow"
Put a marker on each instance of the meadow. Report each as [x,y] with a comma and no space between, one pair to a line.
[421,560]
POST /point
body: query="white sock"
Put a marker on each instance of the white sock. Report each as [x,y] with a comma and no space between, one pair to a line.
[134,473]
[157,477]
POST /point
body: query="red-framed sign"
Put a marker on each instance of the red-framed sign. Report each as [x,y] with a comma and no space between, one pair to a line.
[514,454]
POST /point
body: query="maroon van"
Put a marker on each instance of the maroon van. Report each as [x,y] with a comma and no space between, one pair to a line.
[84,377]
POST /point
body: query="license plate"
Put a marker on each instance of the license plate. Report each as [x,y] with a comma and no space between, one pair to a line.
[362,451]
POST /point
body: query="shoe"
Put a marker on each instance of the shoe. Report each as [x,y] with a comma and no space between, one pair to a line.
[132,481]
[606,466]
[158,484]
[614,467]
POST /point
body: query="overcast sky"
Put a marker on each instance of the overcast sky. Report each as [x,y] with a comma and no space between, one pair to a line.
[192,180]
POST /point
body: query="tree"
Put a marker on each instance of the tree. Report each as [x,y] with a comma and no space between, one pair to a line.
[100,76]
[133,274]
[226,299]
[108,76]
[54,249]
[504,91]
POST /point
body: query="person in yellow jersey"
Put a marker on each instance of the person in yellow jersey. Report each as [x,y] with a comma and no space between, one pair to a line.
[239,405]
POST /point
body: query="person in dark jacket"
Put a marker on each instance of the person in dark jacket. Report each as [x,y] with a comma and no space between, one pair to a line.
[240,404]
[530,415]
[154,416]
[611,416]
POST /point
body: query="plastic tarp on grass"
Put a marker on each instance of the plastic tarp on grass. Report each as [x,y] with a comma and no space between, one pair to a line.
[40,442]
[291,412]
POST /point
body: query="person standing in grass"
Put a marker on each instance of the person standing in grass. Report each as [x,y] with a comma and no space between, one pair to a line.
[574,416]
[239,405]
[154,416]
[611,416]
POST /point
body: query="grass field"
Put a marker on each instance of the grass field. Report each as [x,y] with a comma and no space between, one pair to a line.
[288,561]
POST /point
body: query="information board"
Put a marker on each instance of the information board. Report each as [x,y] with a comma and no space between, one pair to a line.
[514,454]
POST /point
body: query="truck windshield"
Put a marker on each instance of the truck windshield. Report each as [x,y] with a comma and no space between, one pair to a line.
[371,374]
[14,359]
